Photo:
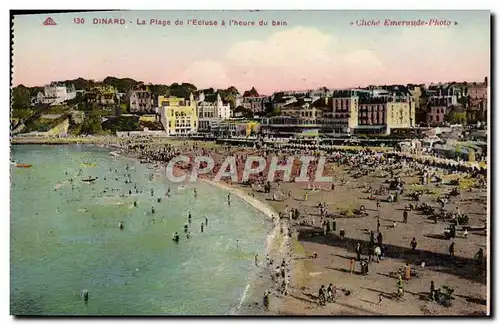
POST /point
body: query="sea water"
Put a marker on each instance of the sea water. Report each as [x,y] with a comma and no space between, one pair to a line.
[65,238]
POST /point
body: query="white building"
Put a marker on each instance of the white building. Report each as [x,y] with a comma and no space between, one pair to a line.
[211,111]
[55,94]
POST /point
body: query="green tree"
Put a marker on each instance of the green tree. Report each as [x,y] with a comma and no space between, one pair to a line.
[20,97]
[456,117]
[229,95]
[92,123]
[158,90]
[123,85]
[183,90]
[464,101]
[79,83]
[232,90]
[243,111]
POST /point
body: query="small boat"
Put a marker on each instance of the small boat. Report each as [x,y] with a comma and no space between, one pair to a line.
[89,180]
[23,165]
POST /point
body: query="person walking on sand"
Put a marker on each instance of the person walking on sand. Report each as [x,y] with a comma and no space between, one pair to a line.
[358,252]
[407,272]
[351,266]
[322,295]
[265,300]
[330,295]
[379,239]
[451,249]
[413,245]
[377,252]
[364,267]
[479,256]
[378,226]
[400,285]
[305,196]
[405,216]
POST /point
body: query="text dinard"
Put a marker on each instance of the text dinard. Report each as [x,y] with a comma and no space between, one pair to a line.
[189,22]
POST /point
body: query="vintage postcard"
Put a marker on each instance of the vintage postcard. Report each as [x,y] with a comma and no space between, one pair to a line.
[250,163]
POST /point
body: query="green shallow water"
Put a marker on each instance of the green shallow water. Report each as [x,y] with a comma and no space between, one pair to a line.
[65,238]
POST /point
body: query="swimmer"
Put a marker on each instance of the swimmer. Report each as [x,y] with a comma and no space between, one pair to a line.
[202,227]
[176,237]
[120,225]
[256,257]
[152,210]
[158,200]
[195,194]
[206,221]
[237,244]
[229,199]
[188,235]
[189,217]
[85,294]
[186,228]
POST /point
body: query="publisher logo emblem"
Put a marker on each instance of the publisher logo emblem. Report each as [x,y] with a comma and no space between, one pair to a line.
[49,22]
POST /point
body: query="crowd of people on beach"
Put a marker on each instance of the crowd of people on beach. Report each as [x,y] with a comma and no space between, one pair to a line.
[393,166]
